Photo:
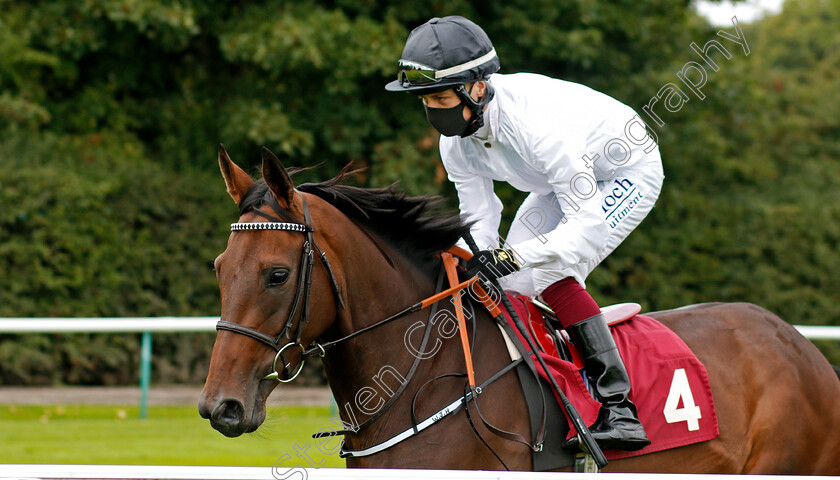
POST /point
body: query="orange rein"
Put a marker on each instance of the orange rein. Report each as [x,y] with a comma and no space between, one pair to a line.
[452,274]
[450,264]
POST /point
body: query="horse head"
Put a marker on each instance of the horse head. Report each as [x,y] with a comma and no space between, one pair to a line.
[283,301]
[274,301]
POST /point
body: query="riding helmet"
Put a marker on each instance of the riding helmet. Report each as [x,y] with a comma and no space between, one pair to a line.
[444,52]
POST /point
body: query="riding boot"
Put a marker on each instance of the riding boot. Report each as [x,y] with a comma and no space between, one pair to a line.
[617,425]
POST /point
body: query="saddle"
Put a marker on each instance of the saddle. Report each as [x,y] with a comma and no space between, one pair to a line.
[670,386]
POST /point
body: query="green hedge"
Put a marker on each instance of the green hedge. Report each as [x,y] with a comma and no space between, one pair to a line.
[92,228]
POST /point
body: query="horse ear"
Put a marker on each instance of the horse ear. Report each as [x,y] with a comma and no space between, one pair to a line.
[277,178]
[238,182]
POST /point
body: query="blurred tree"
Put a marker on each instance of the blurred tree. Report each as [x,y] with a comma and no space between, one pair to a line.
[111,110]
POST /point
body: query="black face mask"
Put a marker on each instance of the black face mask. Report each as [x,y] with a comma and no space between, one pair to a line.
[448,121]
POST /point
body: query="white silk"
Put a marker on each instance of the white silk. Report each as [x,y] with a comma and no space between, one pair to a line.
[593,173]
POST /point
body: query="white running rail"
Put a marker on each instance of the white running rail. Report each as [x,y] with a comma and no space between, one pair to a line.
[152,472]
[208,324]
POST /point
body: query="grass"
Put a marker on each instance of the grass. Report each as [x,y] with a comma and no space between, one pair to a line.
[93,434]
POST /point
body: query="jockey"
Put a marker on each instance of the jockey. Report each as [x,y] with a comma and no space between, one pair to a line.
[591,170]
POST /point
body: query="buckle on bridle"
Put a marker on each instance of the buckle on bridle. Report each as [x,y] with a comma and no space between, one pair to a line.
[275,375]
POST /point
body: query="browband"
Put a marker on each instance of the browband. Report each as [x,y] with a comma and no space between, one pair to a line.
[290,227]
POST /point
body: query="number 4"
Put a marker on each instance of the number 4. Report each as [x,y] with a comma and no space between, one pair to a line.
[689,413]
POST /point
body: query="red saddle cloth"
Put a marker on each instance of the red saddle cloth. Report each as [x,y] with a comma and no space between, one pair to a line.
[669,385]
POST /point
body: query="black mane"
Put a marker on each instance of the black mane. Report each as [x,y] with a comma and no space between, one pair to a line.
[412,225]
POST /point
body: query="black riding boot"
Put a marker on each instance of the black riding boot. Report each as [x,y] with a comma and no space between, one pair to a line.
[618,424]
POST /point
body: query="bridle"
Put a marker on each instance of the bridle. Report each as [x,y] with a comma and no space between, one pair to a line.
[302,295]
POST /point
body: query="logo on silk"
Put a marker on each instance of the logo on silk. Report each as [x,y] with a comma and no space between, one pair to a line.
[620,201]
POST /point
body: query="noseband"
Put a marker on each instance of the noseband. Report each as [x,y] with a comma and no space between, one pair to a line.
[302,294]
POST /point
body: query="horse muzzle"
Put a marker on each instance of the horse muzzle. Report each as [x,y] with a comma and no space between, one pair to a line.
[229,415]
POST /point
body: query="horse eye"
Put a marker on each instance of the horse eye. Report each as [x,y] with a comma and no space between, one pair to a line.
[277,277]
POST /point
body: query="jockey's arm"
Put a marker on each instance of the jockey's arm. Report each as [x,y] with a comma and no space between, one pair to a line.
[478,203]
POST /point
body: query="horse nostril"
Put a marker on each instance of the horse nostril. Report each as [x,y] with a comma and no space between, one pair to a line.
[203,411]
[229,412]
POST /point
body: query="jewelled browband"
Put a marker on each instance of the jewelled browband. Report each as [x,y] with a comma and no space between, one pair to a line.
[290,227]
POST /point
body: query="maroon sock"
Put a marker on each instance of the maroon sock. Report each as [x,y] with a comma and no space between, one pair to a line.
[571,302]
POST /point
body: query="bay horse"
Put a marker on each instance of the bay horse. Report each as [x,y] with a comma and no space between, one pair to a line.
[363,254]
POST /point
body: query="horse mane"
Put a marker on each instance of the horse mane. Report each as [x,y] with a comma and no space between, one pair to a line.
[414,226]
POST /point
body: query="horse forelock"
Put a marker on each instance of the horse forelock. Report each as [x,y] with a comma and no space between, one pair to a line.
[260,195]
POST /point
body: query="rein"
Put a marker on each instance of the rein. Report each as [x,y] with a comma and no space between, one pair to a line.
[421,305]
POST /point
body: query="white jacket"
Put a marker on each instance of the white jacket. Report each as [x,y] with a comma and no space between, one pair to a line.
[562,141]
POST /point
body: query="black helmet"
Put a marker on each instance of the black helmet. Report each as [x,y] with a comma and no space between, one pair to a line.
[444,52]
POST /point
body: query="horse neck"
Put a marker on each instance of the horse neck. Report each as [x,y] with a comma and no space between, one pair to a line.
[379,282]
[366,371]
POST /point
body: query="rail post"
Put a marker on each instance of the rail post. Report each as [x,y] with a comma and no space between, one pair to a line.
[145,372]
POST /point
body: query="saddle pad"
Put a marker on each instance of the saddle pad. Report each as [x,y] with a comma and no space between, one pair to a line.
[669,385]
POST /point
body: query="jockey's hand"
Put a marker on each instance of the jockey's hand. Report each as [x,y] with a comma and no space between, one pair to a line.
[492,264]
